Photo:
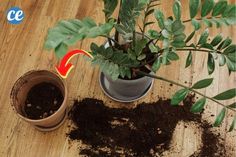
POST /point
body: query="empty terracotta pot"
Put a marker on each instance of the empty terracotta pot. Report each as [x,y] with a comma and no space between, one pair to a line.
[19,94]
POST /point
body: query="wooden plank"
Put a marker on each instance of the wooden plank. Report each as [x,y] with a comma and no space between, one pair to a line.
[21,50]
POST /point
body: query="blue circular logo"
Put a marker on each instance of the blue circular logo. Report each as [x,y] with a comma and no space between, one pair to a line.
[15,15]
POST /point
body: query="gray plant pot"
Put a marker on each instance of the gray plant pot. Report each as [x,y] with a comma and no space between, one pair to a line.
[125,90]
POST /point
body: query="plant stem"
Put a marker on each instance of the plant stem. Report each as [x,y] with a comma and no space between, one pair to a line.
[178,84]
[200,50]
[199,19]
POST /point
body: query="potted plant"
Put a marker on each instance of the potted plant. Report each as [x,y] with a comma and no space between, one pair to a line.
[40,98]
[134,53]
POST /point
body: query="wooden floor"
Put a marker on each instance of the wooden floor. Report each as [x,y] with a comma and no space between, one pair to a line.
[21,50]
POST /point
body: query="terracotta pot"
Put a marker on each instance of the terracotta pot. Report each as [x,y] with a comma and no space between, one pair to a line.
[19,94]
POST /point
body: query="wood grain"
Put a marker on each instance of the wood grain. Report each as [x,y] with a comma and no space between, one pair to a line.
[21,50]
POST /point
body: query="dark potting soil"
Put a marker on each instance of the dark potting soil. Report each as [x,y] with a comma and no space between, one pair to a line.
[143,131]
[43,100]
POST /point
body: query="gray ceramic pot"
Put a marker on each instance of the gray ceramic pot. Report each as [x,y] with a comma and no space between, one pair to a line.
[125,90]
[130,88]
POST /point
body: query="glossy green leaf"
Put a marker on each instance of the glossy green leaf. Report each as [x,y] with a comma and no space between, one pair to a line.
[177,27]
[207,6]
[219,8]
[109,7]
[160,18]
[231,65]
[224,43]
[179,96]
[232,57]
[207,46]
[179,37]
[153,34]
[216,40]
[165,34]
[220,117]
[196,24]
[198,106]
[203,37]
[177,10]
[230,49]
[203,83]
[156,65]
[178,44]
[222,60]
[232,126]
[233,105]
[190,37]
[207,22]
[61,50]
[173,56]
[210,64]
[189,59]
[193,7]
[229,94]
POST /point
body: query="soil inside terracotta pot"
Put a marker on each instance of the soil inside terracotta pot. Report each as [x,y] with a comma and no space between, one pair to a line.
[42,101]
[146,130]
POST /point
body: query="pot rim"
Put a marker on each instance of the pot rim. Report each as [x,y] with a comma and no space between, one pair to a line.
[51,116]
[127,81]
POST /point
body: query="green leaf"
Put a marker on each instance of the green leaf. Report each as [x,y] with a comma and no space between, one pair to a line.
[178,44]
[179,37]
[232,126]
[149,12]
[109,7]
[160,18]
[177,9]
[210,64]
[230,49]
[139,46]
[216,40]
[153,48]
[165,34]
[224,43]
[61,50]
[203,83]
[229,94]
[189,59]
[172,56]
[179,96]
[231,65]
[190,37]
[207,22]
[203,37]
[177,27]
[232,57]
[198,106]
[220,117]
[196,24]
[156,65]
[207,6]
[207,46]
[222,60]
[233,105]
[219,8]
[153,34]
[141,57]
[193,7]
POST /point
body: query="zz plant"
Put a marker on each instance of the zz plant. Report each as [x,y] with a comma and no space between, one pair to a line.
[149,49]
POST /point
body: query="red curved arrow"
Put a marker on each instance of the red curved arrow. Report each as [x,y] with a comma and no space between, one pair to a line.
[65,67]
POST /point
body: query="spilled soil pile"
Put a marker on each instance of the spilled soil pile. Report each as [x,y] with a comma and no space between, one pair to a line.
[143,131]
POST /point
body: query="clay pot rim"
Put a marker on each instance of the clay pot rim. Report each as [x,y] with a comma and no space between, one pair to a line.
[51,116]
